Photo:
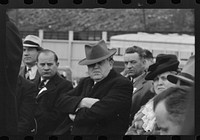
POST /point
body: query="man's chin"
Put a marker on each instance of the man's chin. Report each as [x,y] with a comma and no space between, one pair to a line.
[46,76]
[97,78]
[131,75]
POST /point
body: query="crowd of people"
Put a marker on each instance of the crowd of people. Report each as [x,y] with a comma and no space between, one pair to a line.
[146,98]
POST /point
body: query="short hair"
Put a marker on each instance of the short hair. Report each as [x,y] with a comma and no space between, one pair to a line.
[135,49]
[176,101]
[45,51]
[148,54]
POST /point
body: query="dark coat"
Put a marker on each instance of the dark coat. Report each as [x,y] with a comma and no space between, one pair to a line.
[108,116]
[22,73]
[10,59]
[26,92]
[47,115]
[141,95]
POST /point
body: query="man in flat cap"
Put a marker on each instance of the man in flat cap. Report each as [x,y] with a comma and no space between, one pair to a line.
[100,104]
[31,47]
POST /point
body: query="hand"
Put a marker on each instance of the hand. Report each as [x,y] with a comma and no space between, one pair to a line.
[87,102]
[72,116]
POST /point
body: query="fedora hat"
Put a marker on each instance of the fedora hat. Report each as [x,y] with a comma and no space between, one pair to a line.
[32,41]
[96,53]
[187,73]
[164,63]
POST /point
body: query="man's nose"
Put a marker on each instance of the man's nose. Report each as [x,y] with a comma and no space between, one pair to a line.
[160,81]
[25,52]
[129,65]
[46,67]
[96,65]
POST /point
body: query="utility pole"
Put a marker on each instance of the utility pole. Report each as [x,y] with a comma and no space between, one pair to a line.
[144,19]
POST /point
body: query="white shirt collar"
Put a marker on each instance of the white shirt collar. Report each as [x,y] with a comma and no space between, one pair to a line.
[32,72]
[47,80]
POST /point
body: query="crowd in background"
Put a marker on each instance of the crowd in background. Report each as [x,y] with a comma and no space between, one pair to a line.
[146,98]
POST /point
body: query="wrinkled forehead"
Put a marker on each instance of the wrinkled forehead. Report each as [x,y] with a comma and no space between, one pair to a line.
[48,57]
[131,57]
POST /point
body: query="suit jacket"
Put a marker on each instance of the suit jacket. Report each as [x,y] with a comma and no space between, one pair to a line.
[22,73]
[10,59]
[110,115]
[47,115]
[141,94]
[26,92]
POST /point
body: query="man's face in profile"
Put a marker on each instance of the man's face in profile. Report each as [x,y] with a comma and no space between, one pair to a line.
[165,122]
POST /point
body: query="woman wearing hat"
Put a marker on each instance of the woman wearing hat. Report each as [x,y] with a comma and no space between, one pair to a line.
[144,119]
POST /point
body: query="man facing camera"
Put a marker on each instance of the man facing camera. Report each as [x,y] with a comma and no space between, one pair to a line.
[100,104]
[50,86]
[31,47]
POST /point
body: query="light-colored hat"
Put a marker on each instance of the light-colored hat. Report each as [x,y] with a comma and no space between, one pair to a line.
[187,73]
[96,53]
[33,41]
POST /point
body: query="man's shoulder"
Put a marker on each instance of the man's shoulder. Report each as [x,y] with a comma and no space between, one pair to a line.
[118,78]
[59,80]
[22,69]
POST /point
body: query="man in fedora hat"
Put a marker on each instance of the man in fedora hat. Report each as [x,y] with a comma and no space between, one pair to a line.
[31,47]
[100,104]
[186,78]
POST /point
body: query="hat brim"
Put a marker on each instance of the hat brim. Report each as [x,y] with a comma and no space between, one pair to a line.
[162,69]
[175,78]
[28,45]
[32,46]
[93,61]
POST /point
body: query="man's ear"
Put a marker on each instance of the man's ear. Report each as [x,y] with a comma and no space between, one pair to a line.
[144,61]
[111,63]
[57,64]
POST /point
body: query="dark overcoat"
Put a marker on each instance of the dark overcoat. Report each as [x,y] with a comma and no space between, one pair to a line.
[26,92]
[47,115]
[10,60]
[110,115]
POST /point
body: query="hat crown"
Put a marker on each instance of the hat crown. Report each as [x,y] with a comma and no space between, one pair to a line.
[96,51]
[189,66]
[164,63]
[164,60]
[187,73]
[32,40]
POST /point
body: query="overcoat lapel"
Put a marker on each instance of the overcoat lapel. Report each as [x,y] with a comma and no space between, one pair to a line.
[138,85]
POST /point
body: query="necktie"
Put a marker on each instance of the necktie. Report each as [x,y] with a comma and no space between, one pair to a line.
[42,84]
[27,75]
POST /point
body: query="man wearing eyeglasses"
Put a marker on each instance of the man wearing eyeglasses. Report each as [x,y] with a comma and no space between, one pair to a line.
[100,104]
